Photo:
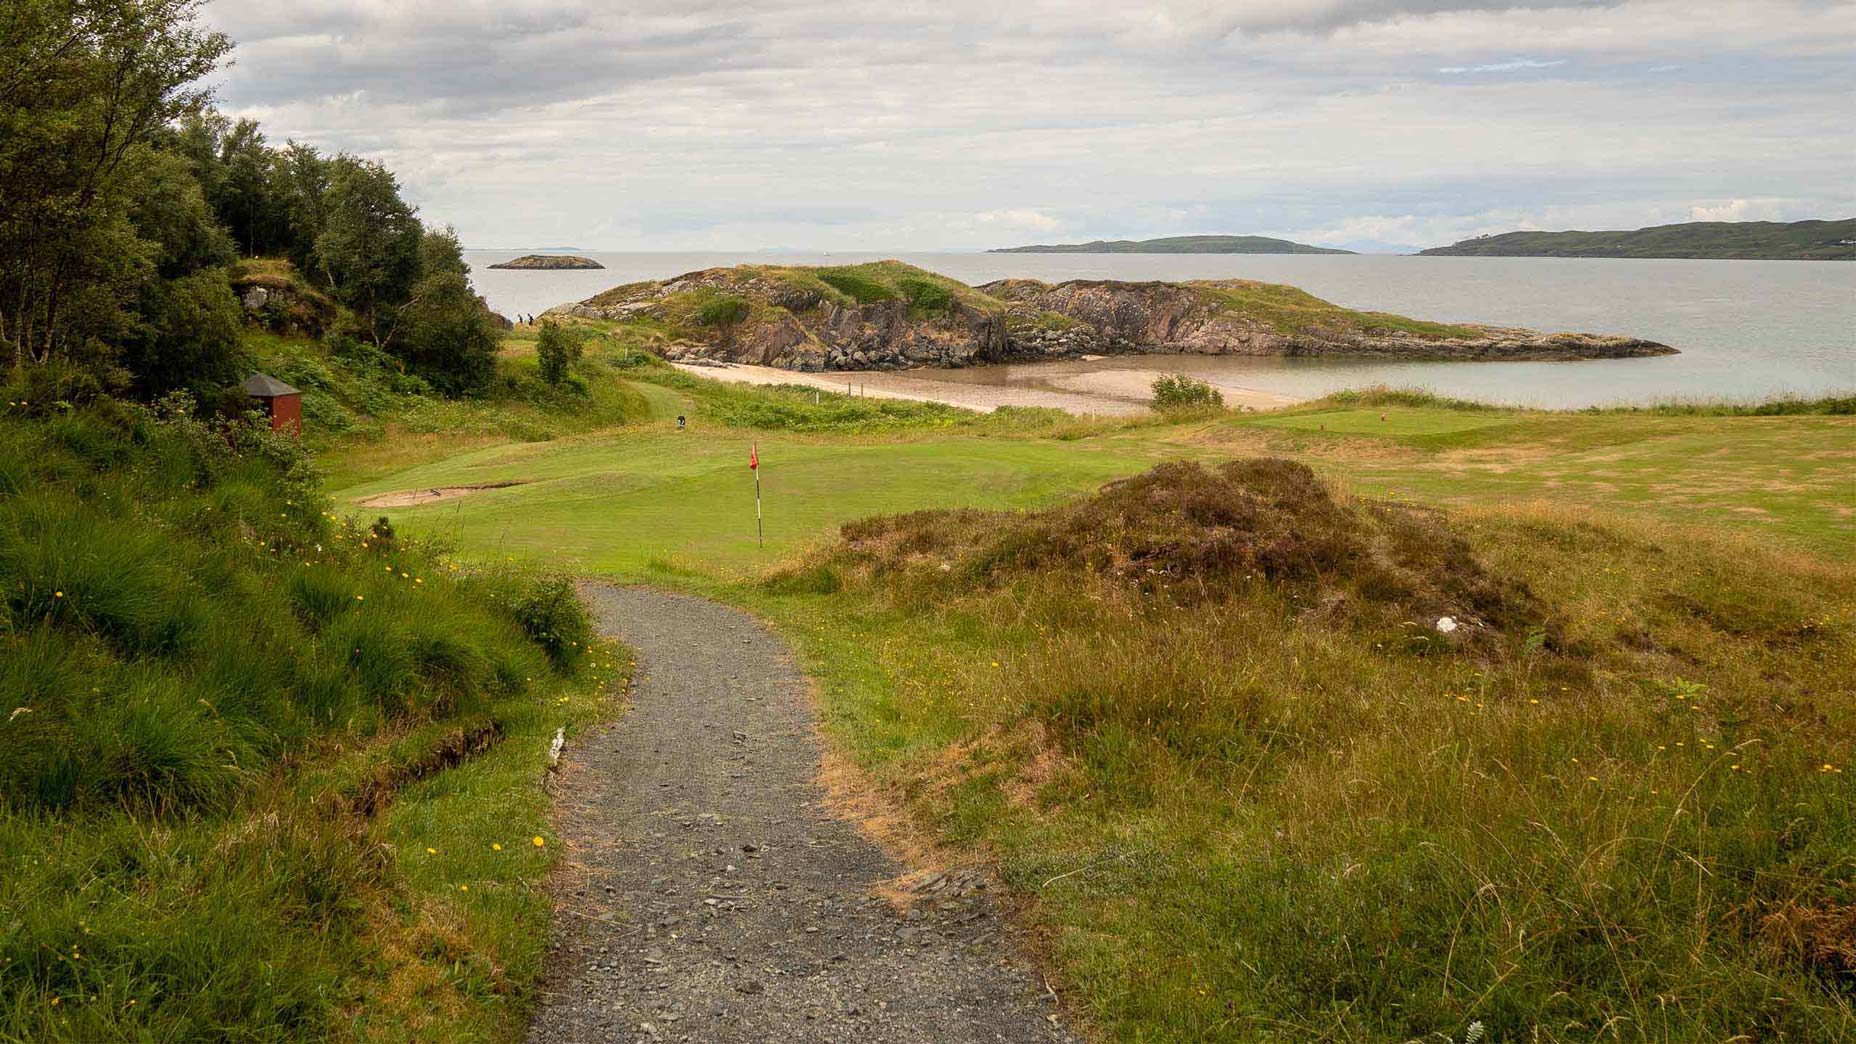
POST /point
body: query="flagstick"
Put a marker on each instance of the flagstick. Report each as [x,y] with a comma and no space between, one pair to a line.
[759,530]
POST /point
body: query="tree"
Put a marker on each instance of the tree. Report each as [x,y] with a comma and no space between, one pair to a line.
[186,335]
[446,335]
[169,211]
[183,330]
[83,85]
[556,352]
[247,197]
[368,246]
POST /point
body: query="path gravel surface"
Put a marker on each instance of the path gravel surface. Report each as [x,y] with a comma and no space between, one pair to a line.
[707,892]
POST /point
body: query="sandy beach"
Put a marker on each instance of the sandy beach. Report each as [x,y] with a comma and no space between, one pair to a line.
[1109,392]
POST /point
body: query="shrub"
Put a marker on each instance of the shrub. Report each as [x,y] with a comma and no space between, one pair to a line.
[551,613]
[726,310]
[925,294]
[557,350]
[856,286]
[1176,391]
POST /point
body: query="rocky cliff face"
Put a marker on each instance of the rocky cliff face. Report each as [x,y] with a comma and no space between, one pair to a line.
[1240,317]
[892,316]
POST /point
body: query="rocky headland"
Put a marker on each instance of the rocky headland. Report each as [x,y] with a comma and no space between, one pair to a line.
[549,262]
[888,316]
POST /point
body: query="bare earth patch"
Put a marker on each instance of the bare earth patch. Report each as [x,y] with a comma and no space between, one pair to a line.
[414,497]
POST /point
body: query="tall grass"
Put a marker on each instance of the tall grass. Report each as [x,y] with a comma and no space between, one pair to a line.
[1262,808]
[185,632]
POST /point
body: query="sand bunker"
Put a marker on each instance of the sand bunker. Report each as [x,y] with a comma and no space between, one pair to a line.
[412,497]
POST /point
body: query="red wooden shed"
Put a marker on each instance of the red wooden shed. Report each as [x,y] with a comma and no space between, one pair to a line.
[282,403]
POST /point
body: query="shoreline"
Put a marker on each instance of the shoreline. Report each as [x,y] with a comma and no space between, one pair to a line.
[1112,393]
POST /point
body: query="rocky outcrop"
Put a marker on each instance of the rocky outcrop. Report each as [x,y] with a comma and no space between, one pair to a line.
[797,318]
[1240,317]
[277,300]
[793,325]
[549,262]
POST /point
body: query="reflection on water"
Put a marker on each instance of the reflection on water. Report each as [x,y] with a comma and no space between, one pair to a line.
[1746,329]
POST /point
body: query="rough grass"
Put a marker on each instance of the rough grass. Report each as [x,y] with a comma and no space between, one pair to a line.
[1628,813]
[190,645]
[1292,310]
[359,395]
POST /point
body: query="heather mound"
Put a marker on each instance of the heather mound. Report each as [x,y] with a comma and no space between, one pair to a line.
[1195,534]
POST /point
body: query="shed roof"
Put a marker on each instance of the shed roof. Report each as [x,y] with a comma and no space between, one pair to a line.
[264,386]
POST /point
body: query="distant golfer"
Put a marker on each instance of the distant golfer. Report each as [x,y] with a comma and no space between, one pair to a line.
[681,421]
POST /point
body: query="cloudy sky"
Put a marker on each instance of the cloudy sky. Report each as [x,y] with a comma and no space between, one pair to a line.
[956,124]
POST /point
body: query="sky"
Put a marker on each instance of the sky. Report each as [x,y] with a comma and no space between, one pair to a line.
[966,124]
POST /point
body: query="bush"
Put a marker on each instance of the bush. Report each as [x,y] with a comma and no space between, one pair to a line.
[925,294]
[857,287]
[726,310]
[551,613]
[449,338]
[557,351]
[1176,391]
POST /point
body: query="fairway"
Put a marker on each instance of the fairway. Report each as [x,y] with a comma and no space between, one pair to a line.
[636,501]
[650,500]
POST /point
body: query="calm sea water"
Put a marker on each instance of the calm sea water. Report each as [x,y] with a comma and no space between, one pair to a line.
[1746,329]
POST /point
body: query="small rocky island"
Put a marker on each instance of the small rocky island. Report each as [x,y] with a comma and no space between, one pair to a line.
[549,262]
[887,315]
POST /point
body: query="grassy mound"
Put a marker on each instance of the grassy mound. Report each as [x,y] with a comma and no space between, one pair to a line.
[1198,534]
[1292,310]
[1206,719]
[211,684]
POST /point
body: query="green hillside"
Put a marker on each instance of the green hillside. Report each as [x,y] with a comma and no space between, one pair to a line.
[1751,240]
[1176,245]
[223,810]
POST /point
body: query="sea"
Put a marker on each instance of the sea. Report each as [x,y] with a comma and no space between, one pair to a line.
[1746,330]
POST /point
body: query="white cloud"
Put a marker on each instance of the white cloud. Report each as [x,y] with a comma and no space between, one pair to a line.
[1741,210]
[670,124]
[1019,218]
[1508,66]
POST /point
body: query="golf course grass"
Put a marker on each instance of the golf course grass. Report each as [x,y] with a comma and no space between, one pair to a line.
[646,498]
[1259,816]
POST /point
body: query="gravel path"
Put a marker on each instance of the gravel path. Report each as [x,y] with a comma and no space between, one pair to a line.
[707,894]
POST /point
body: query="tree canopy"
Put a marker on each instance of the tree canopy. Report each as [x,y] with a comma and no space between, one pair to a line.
[125,198]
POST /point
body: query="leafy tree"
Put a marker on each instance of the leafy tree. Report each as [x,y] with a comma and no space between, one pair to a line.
[248,198]
[369,243]
[440,251]
[302,183]
[186,335]
[171,214]
[84,85]
[449,337]
[557,350]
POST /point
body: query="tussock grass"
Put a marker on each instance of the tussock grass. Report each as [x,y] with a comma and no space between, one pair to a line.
[211,686]
[1248,810]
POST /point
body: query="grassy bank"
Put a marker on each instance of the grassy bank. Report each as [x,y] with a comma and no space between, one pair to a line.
[228,802]
[1256,794]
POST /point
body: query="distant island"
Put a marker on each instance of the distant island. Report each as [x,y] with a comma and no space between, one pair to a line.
[549,261]
[1749,240]
[1176,245]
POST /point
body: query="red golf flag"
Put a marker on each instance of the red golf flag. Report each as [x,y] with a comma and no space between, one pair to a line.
[754,458]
